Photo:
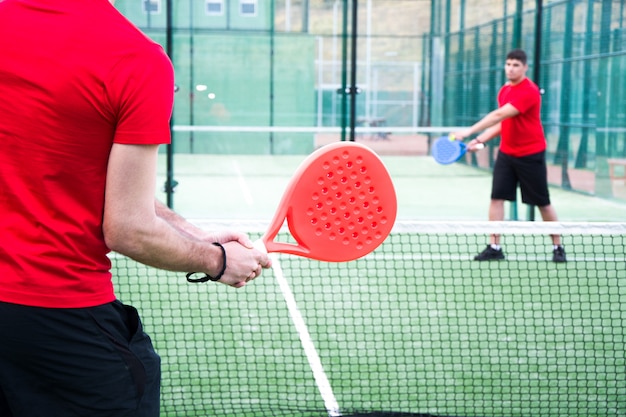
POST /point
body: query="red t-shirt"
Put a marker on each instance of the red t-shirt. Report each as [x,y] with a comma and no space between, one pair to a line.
[523,134]
[75,77]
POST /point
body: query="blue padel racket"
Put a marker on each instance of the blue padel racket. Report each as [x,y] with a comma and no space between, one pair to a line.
[446,150]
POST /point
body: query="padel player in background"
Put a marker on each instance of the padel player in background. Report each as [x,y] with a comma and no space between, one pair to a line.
[85,102]
[522,154]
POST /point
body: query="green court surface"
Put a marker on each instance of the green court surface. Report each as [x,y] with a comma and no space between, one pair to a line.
[250,187]
[415,327]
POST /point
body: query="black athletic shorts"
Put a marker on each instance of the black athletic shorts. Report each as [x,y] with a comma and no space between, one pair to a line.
[87,362]
[529,172]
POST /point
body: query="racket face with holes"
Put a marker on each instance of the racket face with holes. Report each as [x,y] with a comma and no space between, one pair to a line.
[340,205]
[447,151]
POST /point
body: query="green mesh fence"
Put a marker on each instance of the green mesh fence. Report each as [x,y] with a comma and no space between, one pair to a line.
[289,63]
[576,55]
[417,327]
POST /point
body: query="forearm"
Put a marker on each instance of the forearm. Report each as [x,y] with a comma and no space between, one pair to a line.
[149,232]
[489,133]
[133,224]
[191,231]
[153,241]
[491,119]
[178,222]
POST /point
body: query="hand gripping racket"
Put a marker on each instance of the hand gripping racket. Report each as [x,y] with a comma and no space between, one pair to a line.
[339,206]
[446,150]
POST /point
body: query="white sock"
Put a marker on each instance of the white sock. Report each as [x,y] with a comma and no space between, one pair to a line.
[495,246]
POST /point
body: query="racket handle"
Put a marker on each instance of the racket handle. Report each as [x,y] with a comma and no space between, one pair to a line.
[480,145]
[260,246]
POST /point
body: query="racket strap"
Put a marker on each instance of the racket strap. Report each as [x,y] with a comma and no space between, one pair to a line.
[207,277]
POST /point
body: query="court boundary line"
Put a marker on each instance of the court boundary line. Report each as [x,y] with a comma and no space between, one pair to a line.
[321,380]
[247,195]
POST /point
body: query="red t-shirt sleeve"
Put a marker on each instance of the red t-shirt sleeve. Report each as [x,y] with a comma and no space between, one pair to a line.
[525,99]
[143,96]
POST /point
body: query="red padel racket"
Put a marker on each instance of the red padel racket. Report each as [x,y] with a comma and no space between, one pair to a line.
[446,150]
[339,206]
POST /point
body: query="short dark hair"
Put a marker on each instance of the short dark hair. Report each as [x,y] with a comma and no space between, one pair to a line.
[517,54]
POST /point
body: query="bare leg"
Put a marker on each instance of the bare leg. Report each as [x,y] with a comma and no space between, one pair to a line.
[548,214]
[496,213]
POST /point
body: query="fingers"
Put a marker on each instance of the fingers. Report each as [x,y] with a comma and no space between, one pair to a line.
[252,275]
[244,264]
[461,135]
[475,145]
[232,236]
[255,273]
[457,136]
[243,239]
[264,263]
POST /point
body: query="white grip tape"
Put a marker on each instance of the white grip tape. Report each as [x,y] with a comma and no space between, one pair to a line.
[260,246]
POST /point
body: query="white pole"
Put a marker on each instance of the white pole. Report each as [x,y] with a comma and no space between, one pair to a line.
[287,15]
[416,93]
[320,78]
[368,63]
[334,63]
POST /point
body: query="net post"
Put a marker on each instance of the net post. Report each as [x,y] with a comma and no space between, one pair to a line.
[530,216]
[513,210]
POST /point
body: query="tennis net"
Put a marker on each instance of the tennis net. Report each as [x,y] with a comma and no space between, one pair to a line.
[417,328]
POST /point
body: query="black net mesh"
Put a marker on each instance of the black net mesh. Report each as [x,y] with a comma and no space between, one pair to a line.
[415,328]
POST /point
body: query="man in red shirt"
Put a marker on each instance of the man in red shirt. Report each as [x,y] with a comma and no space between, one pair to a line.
[86,101]
[521,157]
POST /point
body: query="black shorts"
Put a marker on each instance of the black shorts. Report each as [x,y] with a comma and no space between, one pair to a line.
[529,172]
[92,362]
